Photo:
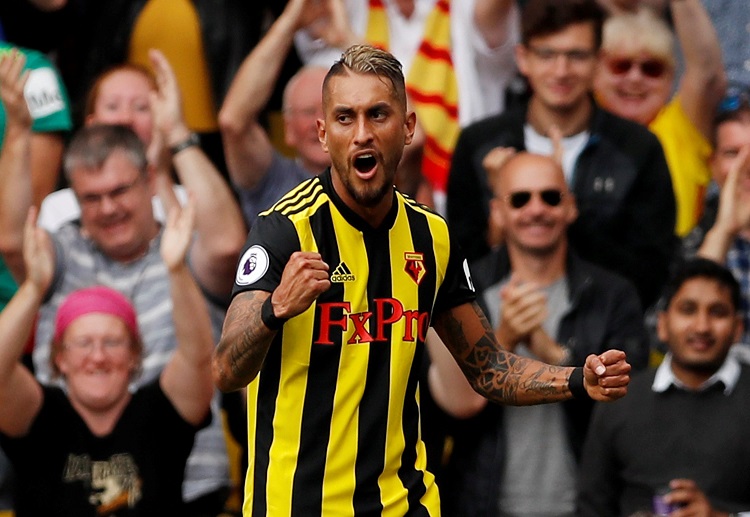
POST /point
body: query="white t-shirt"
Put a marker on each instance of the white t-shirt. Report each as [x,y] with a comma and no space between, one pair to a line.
[572,147]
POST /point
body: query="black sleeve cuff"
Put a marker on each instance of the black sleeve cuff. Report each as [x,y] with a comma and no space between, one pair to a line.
[575,384]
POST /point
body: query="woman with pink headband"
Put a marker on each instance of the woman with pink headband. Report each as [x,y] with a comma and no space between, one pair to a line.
[96,448]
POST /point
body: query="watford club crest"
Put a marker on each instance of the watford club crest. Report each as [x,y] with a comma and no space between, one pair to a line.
[415,266]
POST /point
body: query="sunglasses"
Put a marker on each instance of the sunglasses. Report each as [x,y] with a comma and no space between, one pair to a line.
[653,68]
[520,198]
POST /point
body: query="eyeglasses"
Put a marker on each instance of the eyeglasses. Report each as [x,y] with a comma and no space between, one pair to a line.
[550,54]
[108,345]
[520,198]
[116,194]
[653,68]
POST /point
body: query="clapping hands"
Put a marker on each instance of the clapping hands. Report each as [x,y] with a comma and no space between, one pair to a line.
[13,80]
[177,236]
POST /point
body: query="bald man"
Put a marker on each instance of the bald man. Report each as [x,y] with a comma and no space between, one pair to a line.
[544,302]
[259,173]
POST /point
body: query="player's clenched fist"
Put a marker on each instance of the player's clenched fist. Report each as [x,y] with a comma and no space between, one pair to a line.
[606,376]
[304,278]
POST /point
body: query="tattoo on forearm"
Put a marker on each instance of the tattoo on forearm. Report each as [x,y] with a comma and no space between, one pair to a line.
[243,356]
[500,375]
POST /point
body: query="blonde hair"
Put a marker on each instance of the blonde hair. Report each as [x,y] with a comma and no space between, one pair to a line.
[639,30]
[365,59]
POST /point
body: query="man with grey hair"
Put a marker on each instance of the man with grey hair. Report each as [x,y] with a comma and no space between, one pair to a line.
[259,173]
[115,242]
[334,294]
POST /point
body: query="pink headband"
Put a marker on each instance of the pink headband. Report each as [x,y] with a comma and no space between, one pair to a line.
[97,299]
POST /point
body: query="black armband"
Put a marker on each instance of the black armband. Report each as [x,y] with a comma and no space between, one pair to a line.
[268,318]
[575,384]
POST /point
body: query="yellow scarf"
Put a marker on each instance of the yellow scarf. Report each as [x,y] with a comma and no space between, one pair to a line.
[431,85]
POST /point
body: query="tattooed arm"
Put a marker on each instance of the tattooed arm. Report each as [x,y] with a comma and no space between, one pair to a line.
[244,342]
[245,339]
[504,377]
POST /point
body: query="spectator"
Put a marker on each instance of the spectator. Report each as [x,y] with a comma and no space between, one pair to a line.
[681,427]
[636,81]
[205,40]
[474,38]
[616,168]
[115,243]
[543,302]
[151,106]
[48,103]
[258,172]
[723,234]
[97,449]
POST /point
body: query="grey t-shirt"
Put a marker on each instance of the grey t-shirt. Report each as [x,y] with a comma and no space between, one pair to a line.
[539,469]
[283,175]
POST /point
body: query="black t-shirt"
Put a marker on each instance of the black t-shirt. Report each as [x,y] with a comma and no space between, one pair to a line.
[137,470]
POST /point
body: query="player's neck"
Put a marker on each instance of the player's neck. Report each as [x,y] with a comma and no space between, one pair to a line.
[373,214]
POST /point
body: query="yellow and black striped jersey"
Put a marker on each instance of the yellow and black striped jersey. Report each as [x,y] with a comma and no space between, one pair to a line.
[334,422]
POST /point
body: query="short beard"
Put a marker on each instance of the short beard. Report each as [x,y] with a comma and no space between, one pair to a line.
[369,198]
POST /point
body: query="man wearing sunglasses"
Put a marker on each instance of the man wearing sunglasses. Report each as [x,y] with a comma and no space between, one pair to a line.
[543,301]
[636,81]
[615,168]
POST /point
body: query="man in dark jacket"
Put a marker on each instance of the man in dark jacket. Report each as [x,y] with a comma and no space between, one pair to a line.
[544,302]
[615,168]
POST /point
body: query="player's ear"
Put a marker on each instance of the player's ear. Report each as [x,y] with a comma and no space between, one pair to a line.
[322,133]
[411,126]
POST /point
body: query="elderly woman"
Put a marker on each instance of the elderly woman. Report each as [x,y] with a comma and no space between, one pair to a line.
[636,79]
[97,448]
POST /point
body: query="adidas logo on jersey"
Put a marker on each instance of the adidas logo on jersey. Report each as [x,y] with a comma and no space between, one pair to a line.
[342,274]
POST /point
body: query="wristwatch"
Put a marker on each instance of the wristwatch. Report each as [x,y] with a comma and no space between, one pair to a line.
[192,140]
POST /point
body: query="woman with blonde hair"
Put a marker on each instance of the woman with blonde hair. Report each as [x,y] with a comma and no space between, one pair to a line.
[635,80]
